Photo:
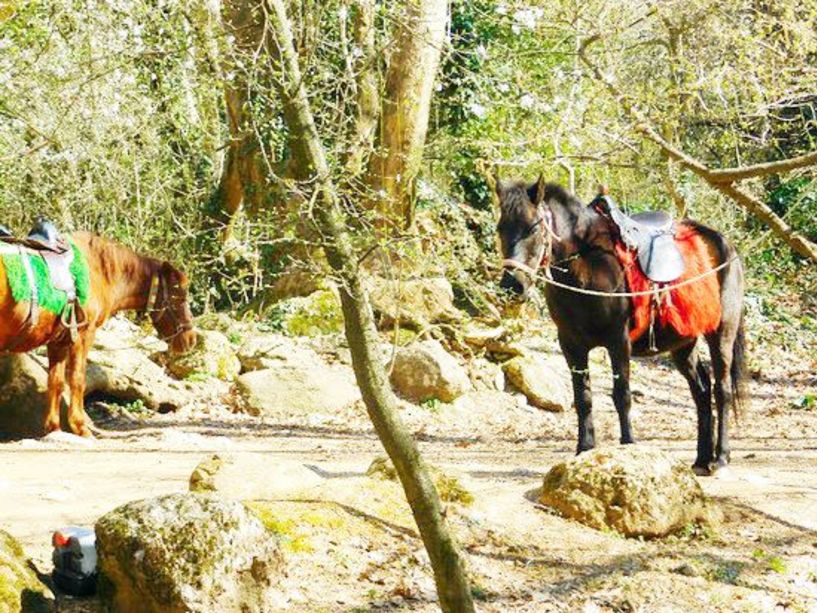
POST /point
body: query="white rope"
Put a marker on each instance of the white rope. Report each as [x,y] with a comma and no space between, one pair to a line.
[650,292]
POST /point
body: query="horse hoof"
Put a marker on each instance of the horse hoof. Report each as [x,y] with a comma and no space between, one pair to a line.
[51,427]
[702,471]
[82,431]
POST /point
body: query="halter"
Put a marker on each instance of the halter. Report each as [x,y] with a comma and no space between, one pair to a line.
[157,287]
[546,251]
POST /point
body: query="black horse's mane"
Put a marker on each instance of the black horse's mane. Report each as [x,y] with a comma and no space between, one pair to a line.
[577,217]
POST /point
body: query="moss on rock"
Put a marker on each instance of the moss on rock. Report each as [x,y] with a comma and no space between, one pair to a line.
[20,589]
[449,487]
[185,552]
[631,489]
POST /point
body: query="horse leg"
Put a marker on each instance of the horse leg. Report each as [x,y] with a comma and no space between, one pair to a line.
[582,397]
[720,348]
[77,361]
[688,362]
[57,354]
[619,353]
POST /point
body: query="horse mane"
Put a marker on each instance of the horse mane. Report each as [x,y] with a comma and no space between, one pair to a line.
[117,261]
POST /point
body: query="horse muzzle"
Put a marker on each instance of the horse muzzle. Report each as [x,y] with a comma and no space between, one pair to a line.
[183,342]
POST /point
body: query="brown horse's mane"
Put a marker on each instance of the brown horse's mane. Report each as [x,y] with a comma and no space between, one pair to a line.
[116,259]
[126,273]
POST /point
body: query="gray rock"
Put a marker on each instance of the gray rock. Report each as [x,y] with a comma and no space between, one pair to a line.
[251,476]
[275,350]
[632,489]
[425,370]
[212,356]
[543,386]
[186,552]
[414,303]
[23,386]
[20,590]
[298,391]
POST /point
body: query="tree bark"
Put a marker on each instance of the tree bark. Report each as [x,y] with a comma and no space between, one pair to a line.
[242,184]
[365,74]
[449,573]
[410,77]
[723,181]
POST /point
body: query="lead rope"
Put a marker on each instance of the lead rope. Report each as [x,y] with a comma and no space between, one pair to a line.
[649,292]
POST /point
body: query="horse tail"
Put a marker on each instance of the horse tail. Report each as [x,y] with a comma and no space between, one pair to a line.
[738,370]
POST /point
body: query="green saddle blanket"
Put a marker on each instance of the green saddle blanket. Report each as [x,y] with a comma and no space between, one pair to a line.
[49,298]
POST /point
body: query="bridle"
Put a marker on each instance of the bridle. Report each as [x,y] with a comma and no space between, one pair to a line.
[545,255]
[158,309]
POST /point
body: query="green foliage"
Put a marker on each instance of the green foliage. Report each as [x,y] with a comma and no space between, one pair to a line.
[807,402]
[313,315]
[432,404]
[113,120]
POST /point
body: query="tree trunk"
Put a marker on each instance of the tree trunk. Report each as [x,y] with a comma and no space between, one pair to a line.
[419,38]
[364,69]
[242,185]
[452,584]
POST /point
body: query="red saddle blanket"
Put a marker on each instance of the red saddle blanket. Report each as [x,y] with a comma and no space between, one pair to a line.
[691,309]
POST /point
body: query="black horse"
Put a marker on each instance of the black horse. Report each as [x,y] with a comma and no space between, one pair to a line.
[542,226]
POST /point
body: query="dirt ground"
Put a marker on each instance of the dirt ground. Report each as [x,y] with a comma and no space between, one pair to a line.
[761,557]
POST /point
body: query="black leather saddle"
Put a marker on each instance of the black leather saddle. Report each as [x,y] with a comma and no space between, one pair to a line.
[43,236]
[651,234]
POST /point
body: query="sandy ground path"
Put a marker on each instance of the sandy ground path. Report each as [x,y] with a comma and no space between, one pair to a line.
[67,482]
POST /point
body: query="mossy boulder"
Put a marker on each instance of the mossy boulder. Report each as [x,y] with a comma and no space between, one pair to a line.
[213,356]
[632,489]
[20,590]
[425,371]
[313,315]
[450,487]
[543,386]
[186,552]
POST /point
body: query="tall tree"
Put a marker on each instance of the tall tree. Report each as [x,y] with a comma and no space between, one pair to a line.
[418,41]
[332,222]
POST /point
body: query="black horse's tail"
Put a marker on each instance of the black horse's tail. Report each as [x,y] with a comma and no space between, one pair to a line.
[738,371]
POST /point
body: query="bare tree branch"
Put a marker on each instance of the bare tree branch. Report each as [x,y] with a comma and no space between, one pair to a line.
[786,233]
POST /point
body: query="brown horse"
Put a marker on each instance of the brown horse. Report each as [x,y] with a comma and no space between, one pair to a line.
[120,280]
[542,226]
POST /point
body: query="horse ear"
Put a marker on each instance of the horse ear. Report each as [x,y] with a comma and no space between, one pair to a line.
[540,189]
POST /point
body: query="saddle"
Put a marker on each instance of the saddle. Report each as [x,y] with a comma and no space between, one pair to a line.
[45,241]
[651,235]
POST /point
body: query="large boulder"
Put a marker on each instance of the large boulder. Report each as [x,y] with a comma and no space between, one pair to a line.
[20,590]
[414,303]
[294,390]
[251,476]
[186,552]
[23,386]
[213,356]
[543,386]
[128,374]
[262,351]
[425,371]
[632,489]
